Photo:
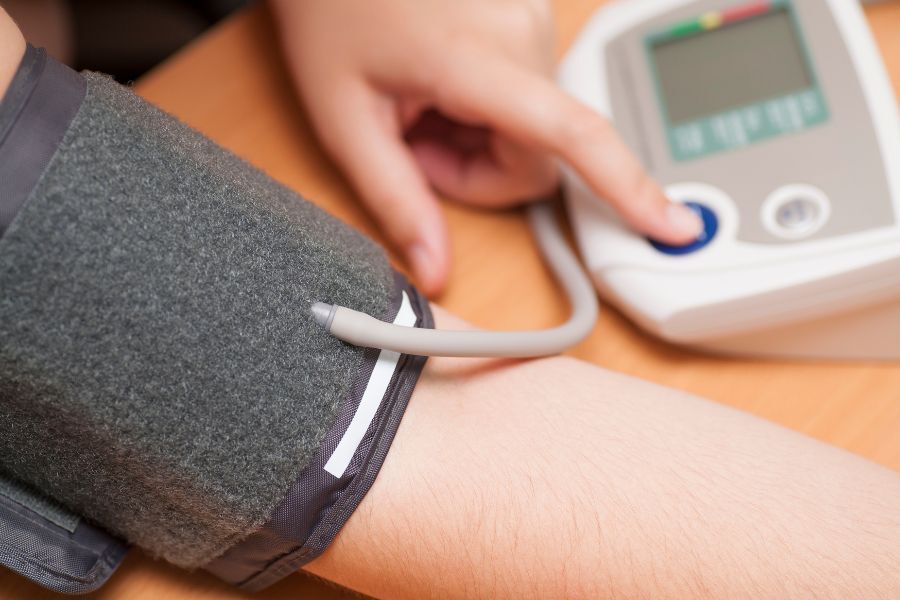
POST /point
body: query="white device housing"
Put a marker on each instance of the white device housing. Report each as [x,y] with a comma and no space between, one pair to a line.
[837,297]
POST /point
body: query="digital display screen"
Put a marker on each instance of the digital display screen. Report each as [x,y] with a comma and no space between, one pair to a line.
[731,66]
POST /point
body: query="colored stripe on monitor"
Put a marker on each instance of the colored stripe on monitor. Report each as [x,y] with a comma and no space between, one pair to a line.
[718,18]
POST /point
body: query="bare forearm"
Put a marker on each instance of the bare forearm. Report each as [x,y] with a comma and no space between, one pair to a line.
[554,478]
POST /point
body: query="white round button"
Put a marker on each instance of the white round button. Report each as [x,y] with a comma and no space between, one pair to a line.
[795,211]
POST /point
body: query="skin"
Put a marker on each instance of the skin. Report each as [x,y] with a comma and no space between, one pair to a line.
[12,48]
[556,479]
[419,98]
[47,24]
[553,478]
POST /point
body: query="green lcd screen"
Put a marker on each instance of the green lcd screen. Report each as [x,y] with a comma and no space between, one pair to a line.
[723,85]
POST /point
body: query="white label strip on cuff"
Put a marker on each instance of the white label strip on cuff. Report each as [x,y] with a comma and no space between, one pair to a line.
[381,377]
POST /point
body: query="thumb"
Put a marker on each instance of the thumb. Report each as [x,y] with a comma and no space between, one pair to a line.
[361,130]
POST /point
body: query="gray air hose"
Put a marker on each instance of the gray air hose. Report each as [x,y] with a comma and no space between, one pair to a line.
[360,329]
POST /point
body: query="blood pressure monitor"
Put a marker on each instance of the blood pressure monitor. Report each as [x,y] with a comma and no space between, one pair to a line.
[776,122]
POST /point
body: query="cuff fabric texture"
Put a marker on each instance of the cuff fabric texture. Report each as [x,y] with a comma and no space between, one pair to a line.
[161,372]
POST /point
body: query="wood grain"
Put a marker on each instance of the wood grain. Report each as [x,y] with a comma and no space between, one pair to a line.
[232,85]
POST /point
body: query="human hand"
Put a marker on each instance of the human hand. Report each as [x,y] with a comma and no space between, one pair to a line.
[455,96]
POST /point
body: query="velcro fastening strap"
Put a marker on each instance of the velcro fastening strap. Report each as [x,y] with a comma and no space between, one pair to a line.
[44,542]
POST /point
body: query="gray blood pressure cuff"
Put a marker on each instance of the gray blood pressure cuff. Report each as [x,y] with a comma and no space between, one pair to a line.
[162,380]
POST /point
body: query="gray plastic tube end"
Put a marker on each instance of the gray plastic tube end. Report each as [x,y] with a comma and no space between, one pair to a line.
[323,314]
[360,329]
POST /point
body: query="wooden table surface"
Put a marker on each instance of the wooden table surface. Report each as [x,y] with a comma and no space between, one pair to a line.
[231,84]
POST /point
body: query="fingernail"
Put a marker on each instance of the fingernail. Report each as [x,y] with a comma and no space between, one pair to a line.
[684,221]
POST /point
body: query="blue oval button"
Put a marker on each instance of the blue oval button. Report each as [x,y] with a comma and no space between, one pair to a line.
[710,227]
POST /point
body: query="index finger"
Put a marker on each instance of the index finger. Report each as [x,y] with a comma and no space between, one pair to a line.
[528,107]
